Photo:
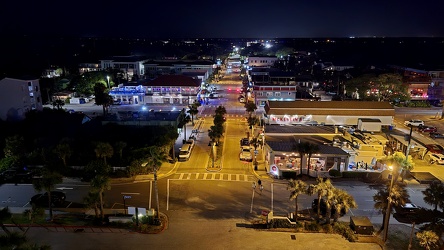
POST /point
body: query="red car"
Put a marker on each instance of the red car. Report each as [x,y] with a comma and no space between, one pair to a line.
[435,148]
[427,129]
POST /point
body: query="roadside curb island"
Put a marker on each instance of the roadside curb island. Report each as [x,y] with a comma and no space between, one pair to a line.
[152,229]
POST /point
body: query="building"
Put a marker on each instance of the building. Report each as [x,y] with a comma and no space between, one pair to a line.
[88,67]
[155,68]
[132,67]
[274,85]
[166,89]
[328,112]
[19,96]
[284,160]
[262,61]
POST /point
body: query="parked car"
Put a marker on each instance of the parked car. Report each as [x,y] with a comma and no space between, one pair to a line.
[436,135]
[438,158]
[314,206]
[244,142]
[427,129]
[407,208]
[42,200]
[414,123]
[191,142]
[435,148]
[16,175]
[245,154]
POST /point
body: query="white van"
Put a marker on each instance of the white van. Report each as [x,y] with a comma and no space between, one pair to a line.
[185,152]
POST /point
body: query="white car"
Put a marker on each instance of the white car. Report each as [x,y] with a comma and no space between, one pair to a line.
[191,142]
[245,154]
[414,123]
[438,158]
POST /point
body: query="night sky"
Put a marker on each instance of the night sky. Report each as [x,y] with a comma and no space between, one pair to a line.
[225,19]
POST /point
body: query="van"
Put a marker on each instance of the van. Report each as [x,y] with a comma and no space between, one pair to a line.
[185,152]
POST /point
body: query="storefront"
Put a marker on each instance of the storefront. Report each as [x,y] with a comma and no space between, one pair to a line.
[285,162]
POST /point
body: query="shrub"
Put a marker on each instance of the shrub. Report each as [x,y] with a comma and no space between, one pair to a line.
[281,223]
[328,228]
[143,228]
[313,226]
[334,173]
[119,174]
[353,174]
[345,230]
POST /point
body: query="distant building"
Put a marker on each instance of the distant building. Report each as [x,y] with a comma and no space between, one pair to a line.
[19,96]
[270,84]
[262,61]
[132,67]
[89,67]
[155,68]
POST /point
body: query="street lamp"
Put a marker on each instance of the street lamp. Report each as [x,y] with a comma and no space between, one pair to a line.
[252,196]
[389,198]
[107,78]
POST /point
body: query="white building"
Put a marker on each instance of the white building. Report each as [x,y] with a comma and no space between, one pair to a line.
[262,61]
[18,96]
[130,66]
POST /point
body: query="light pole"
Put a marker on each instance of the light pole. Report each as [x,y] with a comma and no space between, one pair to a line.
[389,198]
[107,78]
[252,196]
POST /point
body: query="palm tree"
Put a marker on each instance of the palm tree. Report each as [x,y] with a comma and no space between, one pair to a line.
[433,195]
[119,146]
[5,215]
[342,200]
[250,107]
[320,188]
[155,158]
[99,184]
[63,151]
[296,187]
[194,110]
[301,148]
[58,103]
[220,110]
[47,182]
[252,121]
[183,123]
[310,150]
[92,200]
[104,150]
[428,239]
[396,197]
[329,203]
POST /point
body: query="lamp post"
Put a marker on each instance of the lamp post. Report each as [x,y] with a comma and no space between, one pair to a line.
[252,196]
[387,212]
[107,78]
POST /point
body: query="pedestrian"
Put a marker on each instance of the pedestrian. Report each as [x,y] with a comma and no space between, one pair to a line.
[259,182]
[262,188]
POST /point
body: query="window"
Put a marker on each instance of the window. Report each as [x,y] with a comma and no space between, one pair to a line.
[277,94]
[269,94]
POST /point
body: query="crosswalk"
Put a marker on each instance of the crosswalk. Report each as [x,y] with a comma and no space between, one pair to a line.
[213,177]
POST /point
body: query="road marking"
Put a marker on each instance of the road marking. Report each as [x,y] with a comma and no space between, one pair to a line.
[221,177]
[181,176]
[205,176]
[237,177]
[213,176]
[189,176]
[197,175]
